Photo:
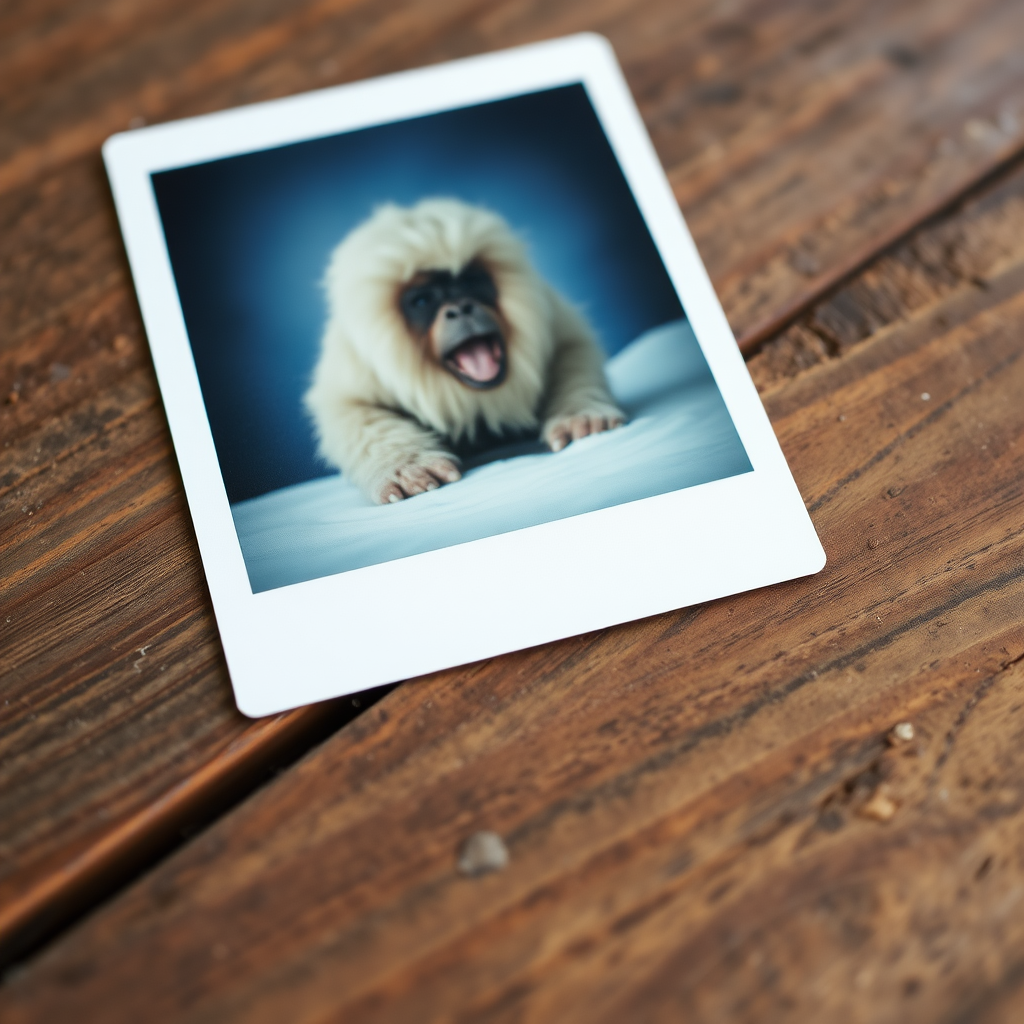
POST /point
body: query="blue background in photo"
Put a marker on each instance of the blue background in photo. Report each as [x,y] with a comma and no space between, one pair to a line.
[249,238]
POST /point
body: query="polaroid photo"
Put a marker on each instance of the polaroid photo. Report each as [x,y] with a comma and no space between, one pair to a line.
[444,372]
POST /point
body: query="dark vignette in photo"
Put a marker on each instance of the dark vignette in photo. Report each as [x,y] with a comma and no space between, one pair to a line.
[249,238]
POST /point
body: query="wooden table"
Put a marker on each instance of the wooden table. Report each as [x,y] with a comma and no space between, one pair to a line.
[708,815]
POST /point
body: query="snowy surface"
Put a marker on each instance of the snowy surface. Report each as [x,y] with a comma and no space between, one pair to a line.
[679,434]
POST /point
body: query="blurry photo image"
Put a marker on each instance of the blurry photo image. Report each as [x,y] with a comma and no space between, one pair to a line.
[432,331]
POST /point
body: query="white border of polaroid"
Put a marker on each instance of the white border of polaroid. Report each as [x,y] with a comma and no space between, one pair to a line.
[345,633]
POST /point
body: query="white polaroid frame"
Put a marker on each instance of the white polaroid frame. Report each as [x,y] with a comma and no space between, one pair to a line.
[344,633]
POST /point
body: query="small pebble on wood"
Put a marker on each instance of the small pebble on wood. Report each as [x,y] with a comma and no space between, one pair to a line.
[901,732]
[482,852]
[879,807]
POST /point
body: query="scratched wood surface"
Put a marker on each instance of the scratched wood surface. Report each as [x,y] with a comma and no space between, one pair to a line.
[798,137]
[708,813]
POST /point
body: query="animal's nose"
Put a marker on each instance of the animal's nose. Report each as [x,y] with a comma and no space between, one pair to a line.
[453,312]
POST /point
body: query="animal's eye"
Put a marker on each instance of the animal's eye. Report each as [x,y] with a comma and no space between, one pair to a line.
[420,301]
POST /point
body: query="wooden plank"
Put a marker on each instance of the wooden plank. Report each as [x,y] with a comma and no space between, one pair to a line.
[118,728]
[795,135]
[707,813]
[935,264]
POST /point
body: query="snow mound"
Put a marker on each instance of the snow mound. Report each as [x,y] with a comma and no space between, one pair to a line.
[679,435]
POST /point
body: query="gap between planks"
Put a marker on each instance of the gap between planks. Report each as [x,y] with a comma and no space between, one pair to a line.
[97,872]
[752,340]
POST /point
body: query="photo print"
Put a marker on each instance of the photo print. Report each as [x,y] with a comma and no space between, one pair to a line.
[444,372]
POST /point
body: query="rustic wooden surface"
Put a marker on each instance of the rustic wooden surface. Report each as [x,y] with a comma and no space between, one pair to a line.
[680,795]
[705,816]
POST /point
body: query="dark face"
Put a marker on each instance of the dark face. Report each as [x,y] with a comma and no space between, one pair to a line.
[456,317]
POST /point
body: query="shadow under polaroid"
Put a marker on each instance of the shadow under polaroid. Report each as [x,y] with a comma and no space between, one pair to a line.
[679,435]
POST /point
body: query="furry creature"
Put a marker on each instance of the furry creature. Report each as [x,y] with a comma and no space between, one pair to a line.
[439,329]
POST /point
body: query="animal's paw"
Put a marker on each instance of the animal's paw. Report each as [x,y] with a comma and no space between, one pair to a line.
[560,430]
[423,473]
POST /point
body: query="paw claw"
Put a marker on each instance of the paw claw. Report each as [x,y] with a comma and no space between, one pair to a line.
[560,432]
[412,478]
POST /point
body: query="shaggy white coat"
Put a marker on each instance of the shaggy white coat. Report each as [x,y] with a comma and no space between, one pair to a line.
[383,407]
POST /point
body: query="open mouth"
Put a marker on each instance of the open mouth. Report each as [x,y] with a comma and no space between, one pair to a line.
[479,362]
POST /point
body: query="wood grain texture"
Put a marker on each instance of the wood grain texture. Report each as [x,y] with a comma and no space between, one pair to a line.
[707,814]
[794,132]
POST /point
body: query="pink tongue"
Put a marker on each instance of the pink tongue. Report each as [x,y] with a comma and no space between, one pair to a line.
[477,361]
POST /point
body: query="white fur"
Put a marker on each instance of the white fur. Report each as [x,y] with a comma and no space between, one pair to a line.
[383,409]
